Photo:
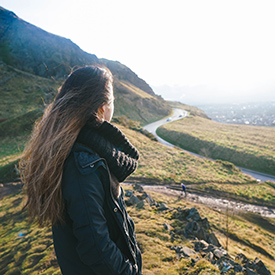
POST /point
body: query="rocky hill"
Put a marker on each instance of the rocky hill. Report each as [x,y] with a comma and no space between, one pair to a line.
[33,50]
[36,51]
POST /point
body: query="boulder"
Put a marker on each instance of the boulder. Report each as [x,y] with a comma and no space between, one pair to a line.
[183,251]
[204,223]
[187,252]
[209,257]
[213,239]
[219,253]
[181,214]
[193,229]
[133,200]
[201,229]
[128,193]
[150,200]
[162,207]
[258,266]
[140,204]
[193,215]
[201,245]
[261,268]
[138,188]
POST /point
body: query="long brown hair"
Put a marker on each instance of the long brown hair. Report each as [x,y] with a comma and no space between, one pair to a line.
[81,97]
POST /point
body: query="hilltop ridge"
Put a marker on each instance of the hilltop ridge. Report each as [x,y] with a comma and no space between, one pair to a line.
[30,49]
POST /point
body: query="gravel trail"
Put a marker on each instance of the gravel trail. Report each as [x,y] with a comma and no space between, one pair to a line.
[213,202]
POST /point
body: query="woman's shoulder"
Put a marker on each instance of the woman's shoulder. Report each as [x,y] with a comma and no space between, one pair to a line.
[84,159]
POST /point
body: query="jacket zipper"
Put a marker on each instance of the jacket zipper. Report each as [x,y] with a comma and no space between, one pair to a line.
[91,164]
[124,218]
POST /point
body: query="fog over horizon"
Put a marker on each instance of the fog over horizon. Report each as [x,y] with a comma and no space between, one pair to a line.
[205,94]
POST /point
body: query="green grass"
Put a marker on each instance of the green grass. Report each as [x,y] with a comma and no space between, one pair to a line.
[163,165]
[160,164]
[251,147]
[24,248]
[14,133]
[22,92]
[137,105]
[27,249]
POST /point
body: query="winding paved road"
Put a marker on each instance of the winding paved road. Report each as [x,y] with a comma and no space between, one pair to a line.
[179,114]
[152,127]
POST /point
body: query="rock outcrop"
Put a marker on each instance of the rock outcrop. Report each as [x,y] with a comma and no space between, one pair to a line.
[207,246]
[205,243]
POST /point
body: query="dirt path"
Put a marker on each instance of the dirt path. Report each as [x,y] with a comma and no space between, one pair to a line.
[216,203]
[213,202]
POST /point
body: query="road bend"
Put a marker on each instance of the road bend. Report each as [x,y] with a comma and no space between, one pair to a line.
[179,114]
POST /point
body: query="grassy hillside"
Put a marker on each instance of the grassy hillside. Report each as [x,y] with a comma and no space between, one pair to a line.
[22,100]
[246,146]
[31,49]
[21,92]
[136,104]
[23,97]
[27,249]
[165,165]
[162,165]
[134,97]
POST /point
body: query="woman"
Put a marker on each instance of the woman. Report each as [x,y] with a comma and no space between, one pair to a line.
[71,170]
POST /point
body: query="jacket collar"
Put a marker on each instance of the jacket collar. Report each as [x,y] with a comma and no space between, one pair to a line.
[108,142]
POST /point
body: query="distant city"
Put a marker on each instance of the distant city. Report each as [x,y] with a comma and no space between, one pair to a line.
[260,114]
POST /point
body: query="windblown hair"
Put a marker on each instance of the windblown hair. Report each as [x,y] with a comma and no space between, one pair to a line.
[80,98]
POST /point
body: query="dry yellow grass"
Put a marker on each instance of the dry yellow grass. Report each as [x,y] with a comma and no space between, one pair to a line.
[251,147]
[136,90]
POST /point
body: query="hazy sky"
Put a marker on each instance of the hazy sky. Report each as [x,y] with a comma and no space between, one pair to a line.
[218,45]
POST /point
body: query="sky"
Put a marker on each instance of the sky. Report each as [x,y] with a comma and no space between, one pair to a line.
[190,51]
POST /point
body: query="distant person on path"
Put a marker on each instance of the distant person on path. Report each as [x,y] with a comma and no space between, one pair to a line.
[72,168]
[183,187]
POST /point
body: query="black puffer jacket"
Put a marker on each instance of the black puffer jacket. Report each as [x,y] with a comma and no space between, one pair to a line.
[98,235]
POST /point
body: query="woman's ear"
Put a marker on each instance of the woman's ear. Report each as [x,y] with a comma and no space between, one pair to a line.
[101,112]
[106,112]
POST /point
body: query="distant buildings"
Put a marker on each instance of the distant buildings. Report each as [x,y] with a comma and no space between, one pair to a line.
[260,114]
